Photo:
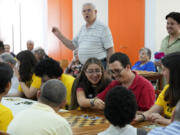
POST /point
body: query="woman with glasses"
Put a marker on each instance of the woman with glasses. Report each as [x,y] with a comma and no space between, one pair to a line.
[91,81]
[161,111]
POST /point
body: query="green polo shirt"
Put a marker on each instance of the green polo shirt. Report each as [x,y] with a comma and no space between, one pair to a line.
[170,48]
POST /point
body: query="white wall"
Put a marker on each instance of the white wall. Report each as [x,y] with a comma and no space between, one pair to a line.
[78,21]
[155,26]
[23,20]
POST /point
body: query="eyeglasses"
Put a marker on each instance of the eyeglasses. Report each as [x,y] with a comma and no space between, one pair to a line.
[116,71]
[96,71]
[88,10]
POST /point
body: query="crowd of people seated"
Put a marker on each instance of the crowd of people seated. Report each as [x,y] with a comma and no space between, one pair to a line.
[109,84]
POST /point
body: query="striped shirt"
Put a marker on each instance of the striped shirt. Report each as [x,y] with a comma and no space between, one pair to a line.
[93,41]
[172,129]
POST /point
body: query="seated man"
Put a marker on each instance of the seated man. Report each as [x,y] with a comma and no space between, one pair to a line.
[144,62]
[171,129]
[8,58]
[50,69]
[120,69]
[120,110]
[42,118]
[6,74]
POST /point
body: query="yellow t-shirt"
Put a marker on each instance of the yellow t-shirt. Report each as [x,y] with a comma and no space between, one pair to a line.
[68,81]
[161,102]
[35,82]
[5,117]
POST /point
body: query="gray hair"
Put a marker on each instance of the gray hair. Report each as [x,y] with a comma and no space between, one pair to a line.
[177,111]
[53,92]
[40,51]
[147,50]
[6,57]
[91,4]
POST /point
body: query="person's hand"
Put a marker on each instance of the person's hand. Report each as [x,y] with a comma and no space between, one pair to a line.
[99,104]
[56,31]
[157,118]
[3,133]
[158,63]
[138,118]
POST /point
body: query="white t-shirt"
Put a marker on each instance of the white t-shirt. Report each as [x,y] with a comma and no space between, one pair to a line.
[112,130]
[39,119]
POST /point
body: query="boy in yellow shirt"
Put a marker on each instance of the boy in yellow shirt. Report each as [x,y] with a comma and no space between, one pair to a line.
[6,74]
[50,69]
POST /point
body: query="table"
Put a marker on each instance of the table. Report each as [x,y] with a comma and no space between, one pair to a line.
[18,104]
[152,76]
[94,129]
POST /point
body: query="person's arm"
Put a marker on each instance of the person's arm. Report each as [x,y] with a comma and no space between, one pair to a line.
[16,94]
[110,51]
[158,118]
[146,115]
[28,92]
[68,43]
[94,103]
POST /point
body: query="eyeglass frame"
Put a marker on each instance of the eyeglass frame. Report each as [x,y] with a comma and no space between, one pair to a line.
[115,71]
[94,71]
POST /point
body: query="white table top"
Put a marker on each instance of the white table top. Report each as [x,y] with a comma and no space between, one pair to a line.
[17,104]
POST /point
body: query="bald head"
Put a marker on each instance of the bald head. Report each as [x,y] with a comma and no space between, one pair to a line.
[53,93]
[30,45]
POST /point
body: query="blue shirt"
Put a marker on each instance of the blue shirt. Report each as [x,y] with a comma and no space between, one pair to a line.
[172,129]
[149,66]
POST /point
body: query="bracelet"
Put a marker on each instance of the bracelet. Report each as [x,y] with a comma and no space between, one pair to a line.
[144,118]
[92,101]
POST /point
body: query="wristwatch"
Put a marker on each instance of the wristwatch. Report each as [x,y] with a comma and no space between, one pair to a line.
[92,101]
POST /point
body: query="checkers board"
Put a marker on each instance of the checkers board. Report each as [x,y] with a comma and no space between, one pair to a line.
[84,120]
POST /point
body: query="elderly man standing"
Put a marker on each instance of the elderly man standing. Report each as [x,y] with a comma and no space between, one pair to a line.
[93,40]
[42,118]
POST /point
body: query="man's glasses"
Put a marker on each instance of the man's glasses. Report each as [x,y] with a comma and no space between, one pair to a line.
[88,10]
[96,71]
[115,71]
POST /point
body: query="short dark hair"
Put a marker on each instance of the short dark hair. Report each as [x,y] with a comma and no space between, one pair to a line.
[6,74]
[48,67]
[120,106]
[175,16]
[53,92]
[172,62]
[121,57]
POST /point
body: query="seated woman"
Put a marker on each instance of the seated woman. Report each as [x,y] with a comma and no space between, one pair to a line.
[91,81]
[29,83]
[144,62]
[169,96]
